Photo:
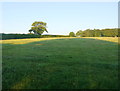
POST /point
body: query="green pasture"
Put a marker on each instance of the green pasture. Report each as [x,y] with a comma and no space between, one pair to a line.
[66,63]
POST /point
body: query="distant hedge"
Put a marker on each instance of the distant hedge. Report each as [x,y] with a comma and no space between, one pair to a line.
[48,36]
[18,36]
[23,36]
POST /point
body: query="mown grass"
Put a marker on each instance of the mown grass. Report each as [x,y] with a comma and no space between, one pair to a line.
[67,63]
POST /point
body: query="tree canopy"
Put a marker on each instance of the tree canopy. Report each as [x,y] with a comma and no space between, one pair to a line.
[38,27]
[72,34]
[98,33]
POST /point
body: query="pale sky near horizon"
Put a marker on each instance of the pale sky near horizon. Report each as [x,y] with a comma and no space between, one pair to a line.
[61,17]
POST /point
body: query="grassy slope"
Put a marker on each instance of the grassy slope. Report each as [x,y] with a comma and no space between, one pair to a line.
[58,64]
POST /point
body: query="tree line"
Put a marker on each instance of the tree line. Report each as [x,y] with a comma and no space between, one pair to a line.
[23,36]
[38,27]
[114,32]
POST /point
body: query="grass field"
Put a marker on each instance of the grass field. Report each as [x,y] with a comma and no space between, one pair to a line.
[60,63]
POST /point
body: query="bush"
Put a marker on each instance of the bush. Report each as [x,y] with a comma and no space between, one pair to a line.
[72,34]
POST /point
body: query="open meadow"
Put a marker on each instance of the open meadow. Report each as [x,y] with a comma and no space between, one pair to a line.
[60,63]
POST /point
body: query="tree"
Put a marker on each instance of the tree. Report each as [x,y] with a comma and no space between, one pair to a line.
[38,27]
[79,33]
[72,34]
[99,33]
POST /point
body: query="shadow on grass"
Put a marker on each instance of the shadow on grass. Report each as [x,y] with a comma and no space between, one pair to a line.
[61,64]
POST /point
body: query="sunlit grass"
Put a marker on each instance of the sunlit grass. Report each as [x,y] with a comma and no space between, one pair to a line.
[111,39]
[25,41]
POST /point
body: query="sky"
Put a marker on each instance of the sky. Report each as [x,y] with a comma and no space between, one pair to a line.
[61,17]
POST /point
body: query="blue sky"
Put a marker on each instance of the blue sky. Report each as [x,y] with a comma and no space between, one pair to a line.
[61,17]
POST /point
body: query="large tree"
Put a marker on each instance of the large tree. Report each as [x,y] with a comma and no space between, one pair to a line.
[38,27]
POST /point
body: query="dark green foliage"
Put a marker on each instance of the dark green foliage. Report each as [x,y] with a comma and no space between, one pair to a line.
[18,36]
[98,33]
[48,36]
[23,36]
[72,34]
